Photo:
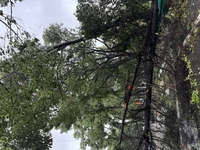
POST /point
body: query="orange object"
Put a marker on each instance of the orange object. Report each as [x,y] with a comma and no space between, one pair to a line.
[129,87]
[138,103]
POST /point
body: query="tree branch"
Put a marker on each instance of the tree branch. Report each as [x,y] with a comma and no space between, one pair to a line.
[127,98]
[61,46]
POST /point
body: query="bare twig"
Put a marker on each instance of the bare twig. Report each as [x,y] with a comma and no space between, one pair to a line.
[127,98]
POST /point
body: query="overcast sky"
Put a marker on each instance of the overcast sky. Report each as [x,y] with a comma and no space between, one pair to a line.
[34,16]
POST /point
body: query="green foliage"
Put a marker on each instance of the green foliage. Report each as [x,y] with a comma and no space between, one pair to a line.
[193,82]
[56,34]
[93,81]
[195,97]
[82,86]
[28,104]
[107,18]
[4,3]
[60,89]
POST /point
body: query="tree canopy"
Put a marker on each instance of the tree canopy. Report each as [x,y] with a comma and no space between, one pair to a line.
[115,95]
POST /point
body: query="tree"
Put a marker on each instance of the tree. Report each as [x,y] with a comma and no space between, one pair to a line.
[27,101]
[70,82]
[105,70]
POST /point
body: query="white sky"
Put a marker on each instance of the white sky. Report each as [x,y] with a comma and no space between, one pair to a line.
[38,14]
[64,141]
[34,16]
